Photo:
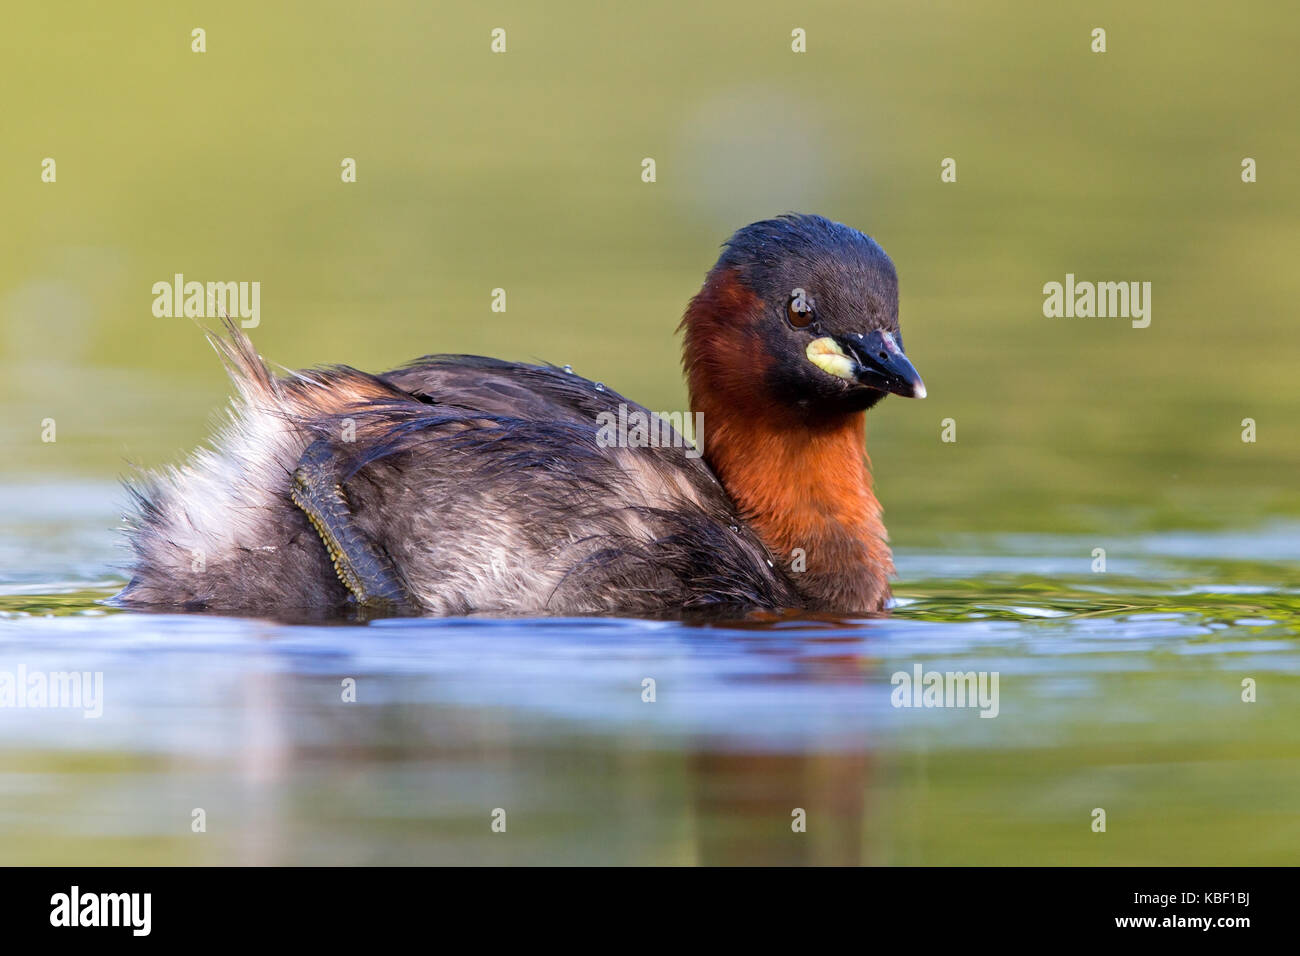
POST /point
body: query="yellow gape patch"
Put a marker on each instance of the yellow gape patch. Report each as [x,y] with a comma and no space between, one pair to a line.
[827,355]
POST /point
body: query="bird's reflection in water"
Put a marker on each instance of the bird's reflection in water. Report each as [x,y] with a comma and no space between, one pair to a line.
[747,807]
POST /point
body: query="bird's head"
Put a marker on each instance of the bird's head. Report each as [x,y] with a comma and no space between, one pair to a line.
[799,316]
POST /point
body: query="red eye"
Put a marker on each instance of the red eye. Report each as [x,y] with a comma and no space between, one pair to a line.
[799,312]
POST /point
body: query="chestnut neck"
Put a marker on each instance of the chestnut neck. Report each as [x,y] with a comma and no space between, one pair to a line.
[803,482]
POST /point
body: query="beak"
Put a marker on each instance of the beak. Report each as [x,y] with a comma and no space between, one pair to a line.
[882,364]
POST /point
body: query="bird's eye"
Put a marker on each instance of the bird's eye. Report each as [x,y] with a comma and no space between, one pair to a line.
[799,310]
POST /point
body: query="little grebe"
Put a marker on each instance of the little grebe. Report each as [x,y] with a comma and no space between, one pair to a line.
[461,484]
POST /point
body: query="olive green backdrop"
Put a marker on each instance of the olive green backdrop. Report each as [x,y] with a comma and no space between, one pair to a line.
[522,171]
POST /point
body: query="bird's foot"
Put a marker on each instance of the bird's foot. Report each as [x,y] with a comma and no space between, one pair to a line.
[365,570]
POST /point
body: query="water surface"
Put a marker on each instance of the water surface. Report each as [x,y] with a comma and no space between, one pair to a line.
[1119,690]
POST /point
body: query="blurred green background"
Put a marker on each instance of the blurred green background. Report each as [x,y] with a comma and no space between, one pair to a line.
[522,171]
